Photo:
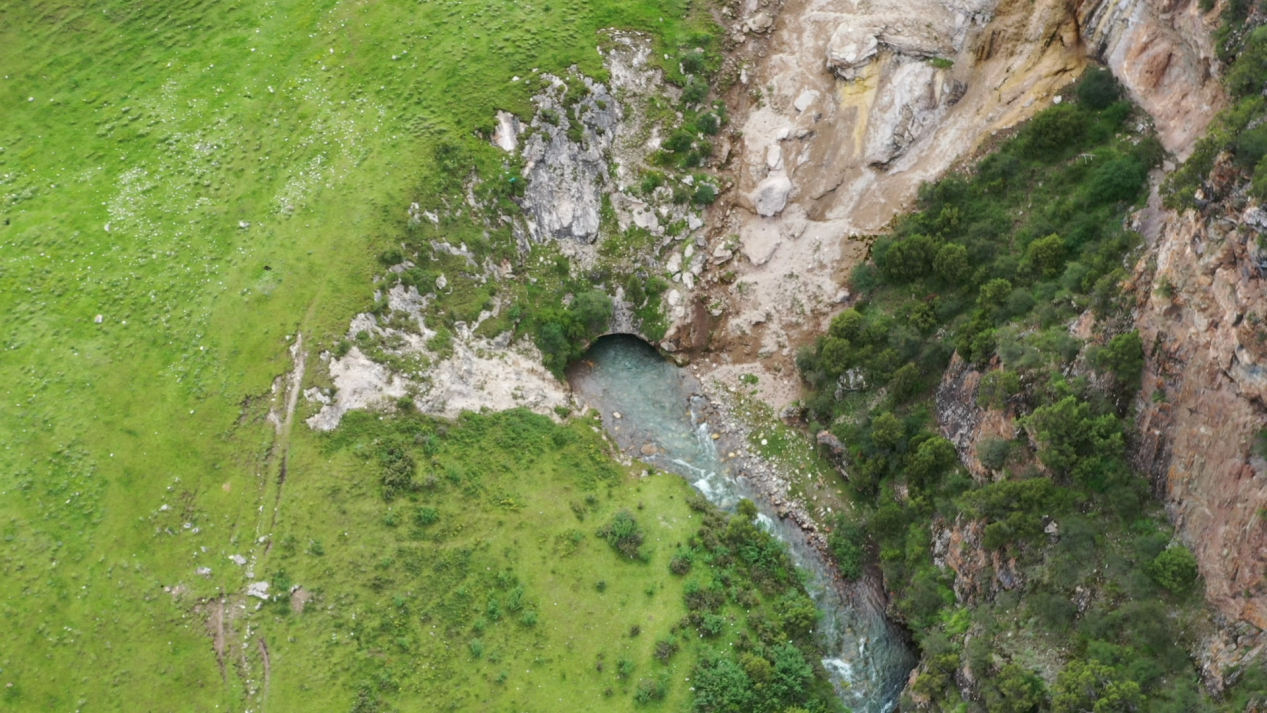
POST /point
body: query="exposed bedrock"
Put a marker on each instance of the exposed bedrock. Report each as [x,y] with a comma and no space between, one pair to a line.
[1202,313]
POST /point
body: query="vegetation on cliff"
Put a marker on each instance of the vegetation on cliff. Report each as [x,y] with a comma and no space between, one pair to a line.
[1051,579]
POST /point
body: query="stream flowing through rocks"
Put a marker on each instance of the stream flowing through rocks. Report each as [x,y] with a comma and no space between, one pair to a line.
[659,414]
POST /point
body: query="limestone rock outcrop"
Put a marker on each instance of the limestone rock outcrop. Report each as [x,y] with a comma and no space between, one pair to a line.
[565,159]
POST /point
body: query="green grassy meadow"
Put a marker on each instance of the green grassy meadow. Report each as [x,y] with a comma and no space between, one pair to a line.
[417,598]
[213,179]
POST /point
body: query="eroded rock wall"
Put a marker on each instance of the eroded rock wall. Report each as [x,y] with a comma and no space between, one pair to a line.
[1202,313]
[845,109]
[1162,51]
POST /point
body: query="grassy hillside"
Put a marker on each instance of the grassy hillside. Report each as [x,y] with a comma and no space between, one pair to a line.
[496,582]
[184,188]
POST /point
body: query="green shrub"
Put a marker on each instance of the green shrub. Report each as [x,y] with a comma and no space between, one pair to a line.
[996,387]
[711,625]
[398,468]
[708,123]
[1046,256]
[908,259]
[665,648]
[441,343]
[929,462]
[904,383]
[848,547]
[1098,89]
[1093,686]
[649,690]
[424,516]
[1076,442]
[695,92]
[994,293]
[593,309]
[721,684]
[1121,179]
[1015,690]
[1123,357]
[693,62]
[624,535]
[1174,569]
[1054,133]
[390,257]
[652,180]
[993,452]
[1249,72]
[681,562]
[1055,611]
[951,264]
[679,141]
[705,194]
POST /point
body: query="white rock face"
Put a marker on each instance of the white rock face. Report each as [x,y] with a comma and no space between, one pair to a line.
[770,197]
[758,23]
[860,40]
[566,179]
[506,135]
[912,100]
[479,373]
[361,383]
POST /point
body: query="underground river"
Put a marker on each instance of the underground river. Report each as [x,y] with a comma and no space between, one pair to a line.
[661,422]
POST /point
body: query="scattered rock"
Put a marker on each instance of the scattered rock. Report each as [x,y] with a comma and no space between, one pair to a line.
[239,560]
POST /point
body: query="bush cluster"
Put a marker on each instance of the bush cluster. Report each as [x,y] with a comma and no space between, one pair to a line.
[993,266]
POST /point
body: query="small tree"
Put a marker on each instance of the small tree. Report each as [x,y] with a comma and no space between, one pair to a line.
[909,259]
[1098,89]
[930,461]
[848,543]
[994,293]
[904,383]
[951,264]
[1123,357]
[1046,255]
[1016,690]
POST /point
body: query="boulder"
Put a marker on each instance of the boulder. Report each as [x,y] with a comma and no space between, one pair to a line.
[770,196]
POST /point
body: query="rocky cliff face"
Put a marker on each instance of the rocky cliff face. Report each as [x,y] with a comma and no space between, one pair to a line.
[846,109]
[1162,52]
[1202,312]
